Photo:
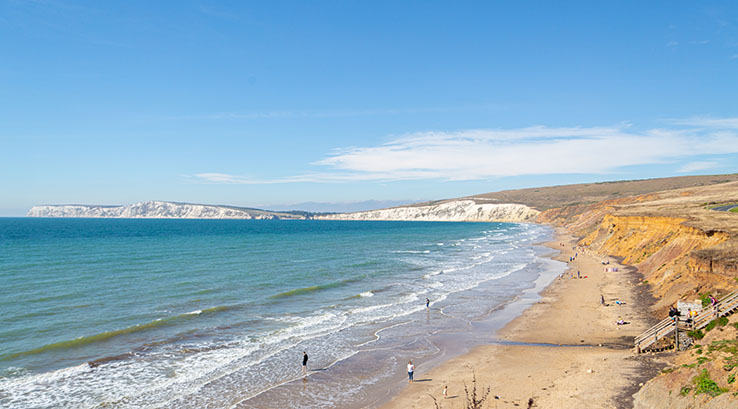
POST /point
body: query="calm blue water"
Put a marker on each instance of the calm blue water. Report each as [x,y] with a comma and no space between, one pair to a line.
[191,313]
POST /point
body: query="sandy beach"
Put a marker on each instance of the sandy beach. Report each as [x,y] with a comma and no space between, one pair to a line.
[566,351]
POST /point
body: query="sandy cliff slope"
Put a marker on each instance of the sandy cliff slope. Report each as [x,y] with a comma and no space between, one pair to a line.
[685,250]
[677,241]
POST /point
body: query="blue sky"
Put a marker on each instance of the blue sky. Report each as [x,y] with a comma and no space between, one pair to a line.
[270,104]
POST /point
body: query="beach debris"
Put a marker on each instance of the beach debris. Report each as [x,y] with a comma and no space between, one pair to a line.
[589,371]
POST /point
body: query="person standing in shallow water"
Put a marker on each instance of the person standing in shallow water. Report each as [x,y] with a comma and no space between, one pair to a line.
[304,362]
[427,303]
[410,371]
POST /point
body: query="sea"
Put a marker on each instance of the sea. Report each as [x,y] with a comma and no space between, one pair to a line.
[132,313]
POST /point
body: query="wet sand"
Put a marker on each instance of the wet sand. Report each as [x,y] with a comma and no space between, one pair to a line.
[593,368]
[451,328]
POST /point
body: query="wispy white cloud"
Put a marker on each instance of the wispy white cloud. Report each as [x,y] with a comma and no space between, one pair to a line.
[218,12]
[248,115]
[339,206]
[674,43]
[538,150]
[699,165]
[228,179]
[312,177]
[708,122]
[217,178]
[307,114]
[531,151]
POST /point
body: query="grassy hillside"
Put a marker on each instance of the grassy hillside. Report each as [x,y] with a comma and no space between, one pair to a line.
[544,198]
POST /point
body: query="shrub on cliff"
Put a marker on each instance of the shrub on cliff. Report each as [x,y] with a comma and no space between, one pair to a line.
[721,322]
[704,384]
[710,325]
[696,334]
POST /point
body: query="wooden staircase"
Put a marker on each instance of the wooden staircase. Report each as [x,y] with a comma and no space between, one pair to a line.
[670,328]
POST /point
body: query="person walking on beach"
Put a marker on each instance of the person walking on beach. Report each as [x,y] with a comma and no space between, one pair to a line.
[427,303]
[410,371]
[445,391]
[304,363]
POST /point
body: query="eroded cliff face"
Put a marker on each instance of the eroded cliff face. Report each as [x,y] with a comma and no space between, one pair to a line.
[680,246]
[582,219]
[666,391]
[457,210]
[683,249]
[697,374]
[666,252]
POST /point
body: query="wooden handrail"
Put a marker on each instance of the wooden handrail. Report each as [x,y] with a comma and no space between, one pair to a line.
[666,322]
[665,327]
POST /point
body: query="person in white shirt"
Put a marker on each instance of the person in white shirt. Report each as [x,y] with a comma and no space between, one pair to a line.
[410,371]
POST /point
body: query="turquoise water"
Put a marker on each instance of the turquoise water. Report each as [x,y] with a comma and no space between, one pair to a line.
[161,313]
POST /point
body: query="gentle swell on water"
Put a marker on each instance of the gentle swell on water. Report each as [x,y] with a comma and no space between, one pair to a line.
[279,288]
[360,295]
[315,288]
[104,336]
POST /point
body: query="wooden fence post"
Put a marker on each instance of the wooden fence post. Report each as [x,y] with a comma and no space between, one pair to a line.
[676,333]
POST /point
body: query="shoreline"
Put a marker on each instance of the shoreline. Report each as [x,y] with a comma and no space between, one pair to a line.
[565,350]
[440,344]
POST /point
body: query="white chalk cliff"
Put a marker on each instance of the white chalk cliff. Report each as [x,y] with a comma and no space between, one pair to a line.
[463,210]
[455,210]
[158,210]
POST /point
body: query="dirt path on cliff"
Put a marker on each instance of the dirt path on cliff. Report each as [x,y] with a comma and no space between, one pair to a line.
[593,368]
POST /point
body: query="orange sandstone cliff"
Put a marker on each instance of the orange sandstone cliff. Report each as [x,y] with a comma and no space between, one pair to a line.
[684,249]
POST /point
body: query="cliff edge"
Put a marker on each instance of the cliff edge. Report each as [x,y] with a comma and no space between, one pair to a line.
[159,210]
[454,210]
[686,249]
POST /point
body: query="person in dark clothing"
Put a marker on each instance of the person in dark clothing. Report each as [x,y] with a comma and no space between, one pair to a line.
[304,362]
[674,313]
